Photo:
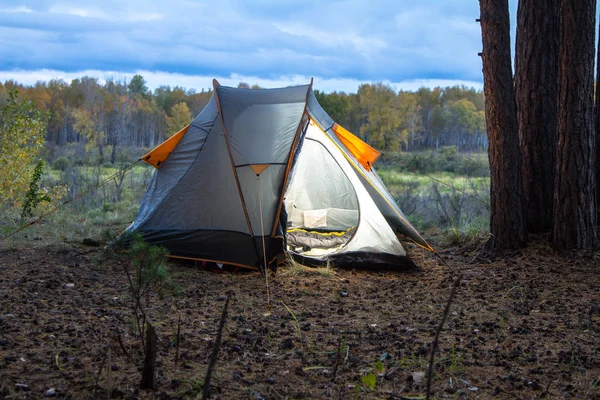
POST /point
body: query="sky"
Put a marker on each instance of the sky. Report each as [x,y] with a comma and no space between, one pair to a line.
[340,43]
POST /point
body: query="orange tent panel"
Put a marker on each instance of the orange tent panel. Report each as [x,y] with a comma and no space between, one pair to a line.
[365,154]
[160,153]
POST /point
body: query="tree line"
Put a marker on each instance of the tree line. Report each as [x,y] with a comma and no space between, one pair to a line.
[114,114]
[109,115]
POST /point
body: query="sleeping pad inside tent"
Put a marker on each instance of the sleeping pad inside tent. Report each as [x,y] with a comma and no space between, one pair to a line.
[261,173]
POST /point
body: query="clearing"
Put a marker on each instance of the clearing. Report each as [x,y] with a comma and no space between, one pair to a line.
[526,326]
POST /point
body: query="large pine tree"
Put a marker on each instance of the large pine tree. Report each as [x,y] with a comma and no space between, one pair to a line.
[597,131]
[536,69]
[507,225]
[574,224]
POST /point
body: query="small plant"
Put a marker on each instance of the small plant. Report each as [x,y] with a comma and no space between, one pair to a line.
[369,381]
[296,322]
[145,268]
[193,388]
[369,377]
[34,196]
[453,360]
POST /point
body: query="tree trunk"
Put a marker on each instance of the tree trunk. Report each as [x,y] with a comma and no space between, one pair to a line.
[507,225]
[574,223]
[597,132]
[536,88]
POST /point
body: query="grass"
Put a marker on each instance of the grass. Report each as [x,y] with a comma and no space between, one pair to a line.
[294,268]
[395,176]
[456,209]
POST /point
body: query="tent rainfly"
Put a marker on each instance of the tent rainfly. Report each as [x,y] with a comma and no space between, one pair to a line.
[261,173]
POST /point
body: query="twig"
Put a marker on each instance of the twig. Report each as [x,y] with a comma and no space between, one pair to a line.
[177,338]
[100,373]
[437,335]
[337,360]
[296,321]
[397,396]
[120,340]
[109,380]
[215,352]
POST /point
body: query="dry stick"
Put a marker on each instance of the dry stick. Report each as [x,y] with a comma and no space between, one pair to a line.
[109,380]
[337,360]
[120,340]
[396,396]
[178,337]
[215,352]
[100,373]
[437,335]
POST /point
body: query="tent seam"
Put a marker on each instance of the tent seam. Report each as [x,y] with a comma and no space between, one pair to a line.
[234,170]
[300,131]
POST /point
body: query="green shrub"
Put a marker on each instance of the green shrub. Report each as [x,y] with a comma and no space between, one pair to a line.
[419,162]
[34,196]
[474,166]
[61,164]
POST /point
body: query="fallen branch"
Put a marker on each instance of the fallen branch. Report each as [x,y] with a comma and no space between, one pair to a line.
[215,352]
[122,346]
[437,335]
[177,338]
[100,371]
[337,360]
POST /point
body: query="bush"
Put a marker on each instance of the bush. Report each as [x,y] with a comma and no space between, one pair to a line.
[420,162]
[61,164]
[446,159]
[474,166]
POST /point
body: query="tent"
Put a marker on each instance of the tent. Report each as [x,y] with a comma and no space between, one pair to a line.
[259,174]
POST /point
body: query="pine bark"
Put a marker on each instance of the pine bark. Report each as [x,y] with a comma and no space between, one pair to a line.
[536,94]
[597,132]
[574,225]
[507,226]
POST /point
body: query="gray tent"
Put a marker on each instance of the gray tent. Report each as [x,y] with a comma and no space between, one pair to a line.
[261,173]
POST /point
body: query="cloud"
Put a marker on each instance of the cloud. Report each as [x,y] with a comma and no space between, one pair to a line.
[97,13]
[340,41]
[14,10]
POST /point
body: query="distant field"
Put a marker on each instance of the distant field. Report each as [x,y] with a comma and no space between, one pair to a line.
[393,177]
[441,191]
[431,188]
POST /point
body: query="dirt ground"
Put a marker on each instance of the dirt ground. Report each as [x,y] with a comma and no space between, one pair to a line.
[524,327]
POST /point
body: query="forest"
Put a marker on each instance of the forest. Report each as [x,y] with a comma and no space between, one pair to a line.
[127,114]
